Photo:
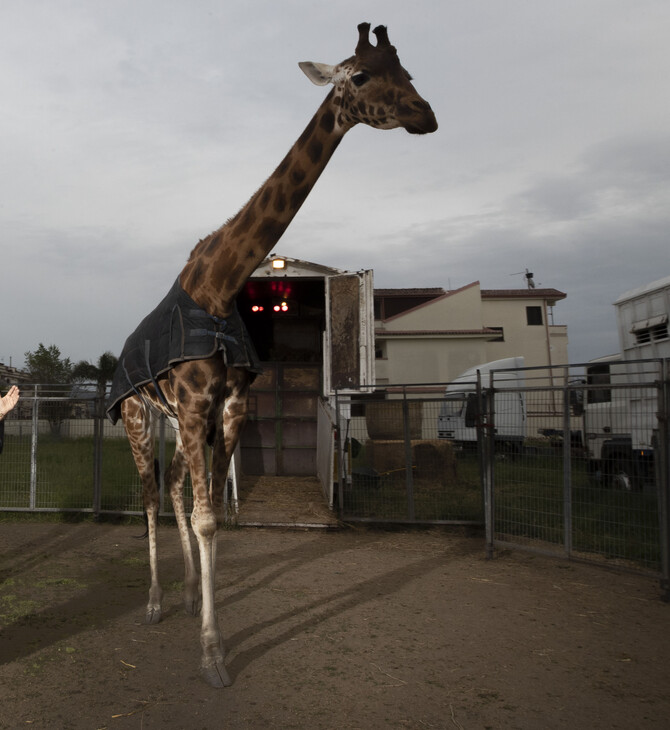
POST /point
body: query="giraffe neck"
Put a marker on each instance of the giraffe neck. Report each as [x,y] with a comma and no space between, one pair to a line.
[221,263]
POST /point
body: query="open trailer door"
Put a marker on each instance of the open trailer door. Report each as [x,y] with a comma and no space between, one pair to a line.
[349,347]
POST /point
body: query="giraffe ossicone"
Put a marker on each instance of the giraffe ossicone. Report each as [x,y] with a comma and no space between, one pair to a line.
[206,398]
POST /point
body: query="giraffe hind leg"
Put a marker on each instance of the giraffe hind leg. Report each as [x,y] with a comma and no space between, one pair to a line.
[137,421]
[174,480]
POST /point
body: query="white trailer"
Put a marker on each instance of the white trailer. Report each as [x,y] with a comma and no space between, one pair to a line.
[459,416]
[620,415]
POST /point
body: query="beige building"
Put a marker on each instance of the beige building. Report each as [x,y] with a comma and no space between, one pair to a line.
[433,335]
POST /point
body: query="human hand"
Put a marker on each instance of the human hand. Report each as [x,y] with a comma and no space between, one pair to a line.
[9,401]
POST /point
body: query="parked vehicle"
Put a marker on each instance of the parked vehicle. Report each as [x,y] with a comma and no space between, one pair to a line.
[620,409]
[459,414]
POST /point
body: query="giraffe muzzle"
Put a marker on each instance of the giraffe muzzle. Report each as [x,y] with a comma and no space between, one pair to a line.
[425,126]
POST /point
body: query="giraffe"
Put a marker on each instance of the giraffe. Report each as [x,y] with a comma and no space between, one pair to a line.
[206,400]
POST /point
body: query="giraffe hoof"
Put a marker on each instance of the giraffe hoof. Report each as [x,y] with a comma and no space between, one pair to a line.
[192,605]
[153,616]
[216,675]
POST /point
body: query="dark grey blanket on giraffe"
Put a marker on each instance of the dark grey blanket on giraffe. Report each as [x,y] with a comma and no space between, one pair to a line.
[176,331]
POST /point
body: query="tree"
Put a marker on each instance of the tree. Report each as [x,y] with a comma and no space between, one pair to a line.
[54,375]
[46,366]
[102,373]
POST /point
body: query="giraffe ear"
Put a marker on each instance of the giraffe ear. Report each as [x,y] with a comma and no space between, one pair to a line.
[318,73]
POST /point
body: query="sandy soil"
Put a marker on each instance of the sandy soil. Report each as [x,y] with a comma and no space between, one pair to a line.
[347,629]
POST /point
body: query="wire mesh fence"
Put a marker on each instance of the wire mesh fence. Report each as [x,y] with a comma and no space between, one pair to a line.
[394,467]
[590,481]
[48,459]
[557,460]
[60,454]
[571,461]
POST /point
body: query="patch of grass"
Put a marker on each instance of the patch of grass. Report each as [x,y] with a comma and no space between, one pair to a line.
[385,496]
[530,503]
[65,474]
[60,582]
[134,561]
[13,608]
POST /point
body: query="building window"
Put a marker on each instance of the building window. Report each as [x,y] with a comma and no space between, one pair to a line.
[380,350]
[651,334]
[534,315]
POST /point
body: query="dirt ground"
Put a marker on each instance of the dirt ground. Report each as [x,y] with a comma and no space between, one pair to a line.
[325,629]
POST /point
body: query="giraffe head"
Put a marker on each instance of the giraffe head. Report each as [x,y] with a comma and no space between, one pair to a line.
[373,88]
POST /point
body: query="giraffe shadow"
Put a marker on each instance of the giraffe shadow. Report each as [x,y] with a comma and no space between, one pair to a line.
[309,616]
[115,584]
[109,587]
[52,541]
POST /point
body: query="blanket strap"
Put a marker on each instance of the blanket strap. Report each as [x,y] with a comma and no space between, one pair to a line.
[212,333]
[217,334]
[159,392]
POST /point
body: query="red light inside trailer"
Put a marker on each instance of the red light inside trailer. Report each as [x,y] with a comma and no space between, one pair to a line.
[256,308]
[280,306]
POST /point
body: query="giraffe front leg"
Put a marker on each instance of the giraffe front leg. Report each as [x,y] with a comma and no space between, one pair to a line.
[212,667]
[154,606]
[205,523]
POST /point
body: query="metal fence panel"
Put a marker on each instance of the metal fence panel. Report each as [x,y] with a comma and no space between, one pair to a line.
[60,455]
[579,487]
[48,457]
[15,469]
[393,466]
[528,485]
[568,481]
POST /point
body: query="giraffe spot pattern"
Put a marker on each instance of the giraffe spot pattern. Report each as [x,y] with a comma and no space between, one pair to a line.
[280,199]
[315,150]
[297,175]
[327,122]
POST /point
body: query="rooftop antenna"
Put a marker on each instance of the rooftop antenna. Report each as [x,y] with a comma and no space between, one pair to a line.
[528,275]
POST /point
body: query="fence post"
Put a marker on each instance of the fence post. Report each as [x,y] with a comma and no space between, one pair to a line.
[339,456]
[33,452]
[485,451]
[567,468]
[662,468]
[98,426]
[409,476]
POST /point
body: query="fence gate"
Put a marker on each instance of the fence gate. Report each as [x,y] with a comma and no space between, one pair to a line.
[578,487]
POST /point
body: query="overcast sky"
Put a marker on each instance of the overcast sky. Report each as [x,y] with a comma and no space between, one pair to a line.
[130,129]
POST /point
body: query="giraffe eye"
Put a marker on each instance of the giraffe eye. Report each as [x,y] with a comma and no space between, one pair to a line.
[360,78]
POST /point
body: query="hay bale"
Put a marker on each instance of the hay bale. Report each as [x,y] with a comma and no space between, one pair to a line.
[386,455]
[434,460]
[384,419]
[431,459]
